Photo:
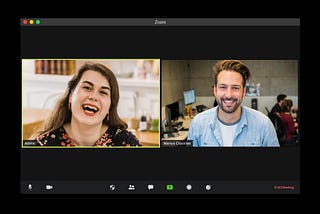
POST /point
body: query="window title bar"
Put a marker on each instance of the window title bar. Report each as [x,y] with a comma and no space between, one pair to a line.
[160,22]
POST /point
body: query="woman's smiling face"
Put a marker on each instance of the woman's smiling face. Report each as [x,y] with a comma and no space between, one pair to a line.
[91,98]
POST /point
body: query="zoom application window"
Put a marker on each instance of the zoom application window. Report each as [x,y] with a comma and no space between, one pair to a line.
[160,106]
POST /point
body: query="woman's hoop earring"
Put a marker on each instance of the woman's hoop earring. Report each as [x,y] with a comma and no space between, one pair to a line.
[69,106]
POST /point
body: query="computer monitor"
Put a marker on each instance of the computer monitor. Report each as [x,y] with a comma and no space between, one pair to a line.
[189,96]
[174,110]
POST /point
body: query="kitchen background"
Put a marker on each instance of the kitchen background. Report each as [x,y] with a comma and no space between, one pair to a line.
[44,81]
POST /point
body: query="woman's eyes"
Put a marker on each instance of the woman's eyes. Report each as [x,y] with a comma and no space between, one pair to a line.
[104,92]
[89,88]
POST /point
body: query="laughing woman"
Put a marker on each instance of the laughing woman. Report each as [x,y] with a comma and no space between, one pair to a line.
[87,113]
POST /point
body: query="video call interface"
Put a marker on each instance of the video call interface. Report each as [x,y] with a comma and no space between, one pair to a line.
[137,90]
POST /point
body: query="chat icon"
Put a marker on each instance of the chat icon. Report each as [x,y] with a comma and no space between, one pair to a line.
[150,186]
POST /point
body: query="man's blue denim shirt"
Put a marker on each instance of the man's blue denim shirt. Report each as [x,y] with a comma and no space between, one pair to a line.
[254,129]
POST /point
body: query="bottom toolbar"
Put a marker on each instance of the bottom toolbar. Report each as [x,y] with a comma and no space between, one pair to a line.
[160,187]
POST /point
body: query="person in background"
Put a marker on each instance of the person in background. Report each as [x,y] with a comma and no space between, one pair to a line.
[288,121]
[296,115]
[278,106]
[289,103]
[87,113]
[231,123]
[294,111]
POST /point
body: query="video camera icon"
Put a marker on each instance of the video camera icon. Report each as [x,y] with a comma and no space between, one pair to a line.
[49,187]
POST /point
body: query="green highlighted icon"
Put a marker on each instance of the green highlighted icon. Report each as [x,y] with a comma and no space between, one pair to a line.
[169,186]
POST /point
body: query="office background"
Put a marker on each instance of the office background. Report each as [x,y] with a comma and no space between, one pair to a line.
[274,76]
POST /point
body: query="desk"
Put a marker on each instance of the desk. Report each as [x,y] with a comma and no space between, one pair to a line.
[186,121]
[147,138]
[182,135]
[32,120]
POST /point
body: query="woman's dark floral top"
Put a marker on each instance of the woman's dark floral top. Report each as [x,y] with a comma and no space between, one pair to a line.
[112,137]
